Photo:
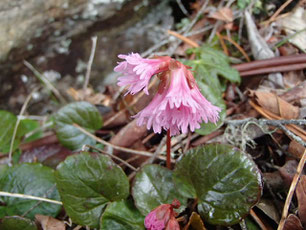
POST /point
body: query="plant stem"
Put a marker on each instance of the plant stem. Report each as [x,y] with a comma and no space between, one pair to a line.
[168,149]
[24,196]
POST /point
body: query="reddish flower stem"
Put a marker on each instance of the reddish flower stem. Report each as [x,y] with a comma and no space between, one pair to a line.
[168,150]
[273,69]
[277,61]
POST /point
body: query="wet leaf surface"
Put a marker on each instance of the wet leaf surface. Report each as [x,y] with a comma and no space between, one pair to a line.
[122,215]
[154,186]
[225,181]
[85,115]
[16,223]
[30,179]
[87,183]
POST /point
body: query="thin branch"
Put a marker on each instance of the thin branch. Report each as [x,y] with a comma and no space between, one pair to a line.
[90,61]
[24,196]
[112,156]
[158,149]
[44,80]
[123,149]
[274,69]
[267,122]
[278,12]
[293,185]
[277,123]
[183,38]
[277,61]
[182,7]
[24,106]
[292,135]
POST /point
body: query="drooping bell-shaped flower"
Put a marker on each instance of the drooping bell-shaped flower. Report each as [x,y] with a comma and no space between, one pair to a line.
[162,217]
[137,71]
[179,104]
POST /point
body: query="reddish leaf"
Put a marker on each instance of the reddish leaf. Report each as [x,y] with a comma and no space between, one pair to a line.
[293,223]
[49,154]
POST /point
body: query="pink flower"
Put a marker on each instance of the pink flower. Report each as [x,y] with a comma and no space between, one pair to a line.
[160,217]
[173,224]
[179,104]
[137,71]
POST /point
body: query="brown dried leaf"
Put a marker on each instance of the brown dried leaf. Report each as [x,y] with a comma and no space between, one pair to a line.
[129,134]
[49,223]
[195,222]
[294,24]
[268,207]
[224,14]
[293,223]
[276,105]
[296,149]
[296,93]
[301,197]
[90,96]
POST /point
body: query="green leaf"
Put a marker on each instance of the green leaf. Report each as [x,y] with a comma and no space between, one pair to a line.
[210,64]
[216,99]
[29,179]
[216,64]
[87,183]
[122,215]
[7,130]
[153,186]
[226,182]
[16,223]
[29,126]
[85,115]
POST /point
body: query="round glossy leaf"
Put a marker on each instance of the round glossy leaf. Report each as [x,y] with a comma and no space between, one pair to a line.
[122,215]
[29,179]
[16,223]
[153,186]
[226,182]
[85,115]
[87,183]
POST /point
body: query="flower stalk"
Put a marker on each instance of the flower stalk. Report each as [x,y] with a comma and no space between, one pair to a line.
[168,163]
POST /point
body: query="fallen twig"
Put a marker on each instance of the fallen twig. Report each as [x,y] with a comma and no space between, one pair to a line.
[295,180]
[90,61]
[24,106]
[277,123]
[267,122]
[291,127]
[44,80]
[274,69]
[123,149]
[111,155]
[183,38]
[277,61]
[273,17]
